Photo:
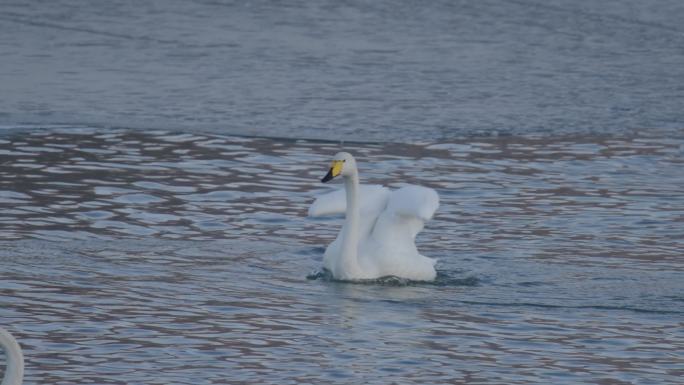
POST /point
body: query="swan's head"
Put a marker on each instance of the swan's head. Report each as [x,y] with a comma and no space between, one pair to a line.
[343,163]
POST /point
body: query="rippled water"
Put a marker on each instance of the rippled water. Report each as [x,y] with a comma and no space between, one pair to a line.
[386,69]
[163,258]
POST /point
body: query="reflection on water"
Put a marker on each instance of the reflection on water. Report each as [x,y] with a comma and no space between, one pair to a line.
[164,258]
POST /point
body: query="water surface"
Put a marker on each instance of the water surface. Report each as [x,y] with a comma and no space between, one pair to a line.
[178,258]
[381,69]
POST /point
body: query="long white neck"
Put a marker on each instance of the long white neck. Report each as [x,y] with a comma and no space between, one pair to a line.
[14,371]
[350,241]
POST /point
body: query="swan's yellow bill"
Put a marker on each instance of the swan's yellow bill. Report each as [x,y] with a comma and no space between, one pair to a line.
[336,167]
[335,170]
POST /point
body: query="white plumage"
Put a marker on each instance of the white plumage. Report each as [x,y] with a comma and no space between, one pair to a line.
[14,372]
[378,236]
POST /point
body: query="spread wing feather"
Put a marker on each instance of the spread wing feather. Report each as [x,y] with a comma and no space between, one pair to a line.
[416,201]
[373,198]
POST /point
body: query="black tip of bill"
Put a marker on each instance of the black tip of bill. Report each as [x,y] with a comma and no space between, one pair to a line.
[327,176]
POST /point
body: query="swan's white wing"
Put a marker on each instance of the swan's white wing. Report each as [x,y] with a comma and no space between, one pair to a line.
[373,198]
[328,204]
[392,241]
[407,211]
[414,201]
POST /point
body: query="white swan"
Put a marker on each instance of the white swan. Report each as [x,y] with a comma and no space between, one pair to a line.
[378,236]
[14,371]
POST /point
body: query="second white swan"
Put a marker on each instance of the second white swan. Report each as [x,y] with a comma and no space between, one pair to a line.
[14,371]
[378,236]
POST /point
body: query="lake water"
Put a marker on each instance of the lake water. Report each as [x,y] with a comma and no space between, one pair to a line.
[374,70]
[157,160]
[176,258]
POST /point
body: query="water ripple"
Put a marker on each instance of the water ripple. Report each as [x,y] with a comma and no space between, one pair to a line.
[162,257]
